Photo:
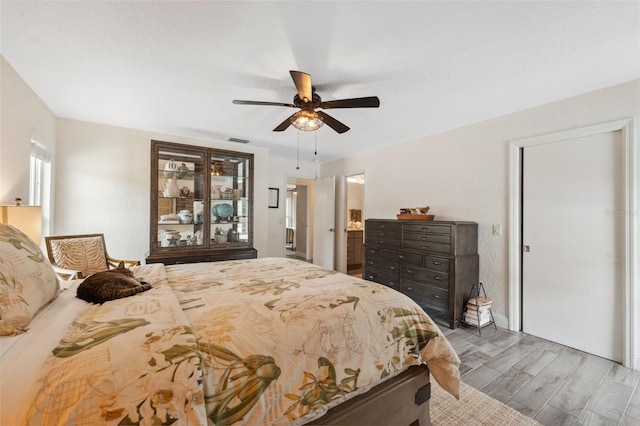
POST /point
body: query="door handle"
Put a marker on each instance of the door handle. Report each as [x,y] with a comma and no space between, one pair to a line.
[330,229]
[526,249]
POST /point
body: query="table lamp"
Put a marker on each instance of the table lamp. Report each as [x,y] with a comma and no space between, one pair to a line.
[28,219]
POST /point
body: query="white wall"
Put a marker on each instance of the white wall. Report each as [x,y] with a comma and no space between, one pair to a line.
[103,184]
[463,173]
[23,117]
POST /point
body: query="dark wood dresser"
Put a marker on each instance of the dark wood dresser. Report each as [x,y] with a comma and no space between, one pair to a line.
[433,262]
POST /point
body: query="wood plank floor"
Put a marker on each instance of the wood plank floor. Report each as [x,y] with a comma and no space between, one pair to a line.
[551,383]
[554,384]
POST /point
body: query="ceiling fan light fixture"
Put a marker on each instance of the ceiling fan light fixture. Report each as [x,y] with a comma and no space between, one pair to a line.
[307,121]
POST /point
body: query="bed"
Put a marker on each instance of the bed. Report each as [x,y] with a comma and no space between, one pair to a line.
[261,341]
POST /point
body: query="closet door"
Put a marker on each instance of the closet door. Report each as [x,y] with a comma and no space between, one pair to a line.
[573,252]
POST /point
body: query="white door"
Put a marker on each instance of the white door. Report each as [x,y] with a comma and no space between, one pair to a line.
[573,243]
[324,209]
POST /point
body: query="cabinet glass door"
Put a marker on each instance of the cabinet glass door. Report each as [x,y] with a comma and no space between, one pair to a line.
[181,198]
[230,201]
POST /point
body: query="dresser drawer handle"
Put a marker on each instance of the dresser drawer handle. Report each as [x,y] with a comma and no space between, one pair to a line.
[437,296]
[425,229]
[437,277]
[409,271]
[424,238]
[435,262]
[400,256]
[392,267]
[370,277]
[409,288]
[424,247]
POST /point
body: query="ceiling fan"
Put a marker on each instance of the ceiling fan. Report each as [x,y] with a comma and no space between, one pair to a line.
[308,118]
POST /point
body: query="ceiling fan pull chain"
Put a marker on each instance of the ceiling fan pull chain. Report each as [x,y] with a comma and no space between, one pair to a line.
[298,153]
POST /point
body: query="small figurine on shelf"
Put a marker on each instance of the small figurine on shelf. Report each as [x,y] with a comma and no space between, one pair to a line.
[227,194]
[182,171]
[215,192]
[220,236]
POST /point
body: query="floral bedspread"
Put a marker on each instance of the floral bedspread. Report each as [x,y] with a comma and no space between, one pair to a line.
[127,361]
[281,338]
[261,341]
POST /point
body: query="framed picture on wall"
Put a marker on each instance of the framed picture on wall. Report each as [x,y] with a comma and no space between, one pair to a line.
[274,195]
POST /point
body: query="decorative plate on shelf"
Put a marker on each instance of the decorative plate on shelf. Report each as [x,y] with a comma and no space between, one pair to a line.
[222,210]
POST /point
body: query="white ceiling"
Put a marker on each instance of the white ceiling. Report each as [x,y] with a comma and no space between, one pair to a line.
[175,67]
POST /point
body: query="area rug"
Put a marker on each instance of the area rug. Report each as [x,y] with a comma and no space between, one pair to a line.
[473,408]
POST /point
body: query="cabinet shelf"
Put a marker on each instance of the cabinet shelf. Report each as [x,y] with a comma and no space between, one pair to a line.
[212,177]
[190,175]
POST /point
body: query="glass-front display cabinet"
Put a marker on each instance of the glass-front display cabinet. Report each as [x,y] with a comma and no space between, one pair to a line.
[201,204]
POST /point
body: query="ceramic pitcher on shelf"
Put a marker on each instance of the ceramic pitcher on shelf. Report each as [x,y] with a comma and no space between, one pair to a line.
[185,216]
[170,188]
[215,192]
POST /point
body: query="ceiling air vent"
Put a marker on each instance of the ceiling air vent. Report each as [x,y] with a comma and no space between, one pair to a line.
[238,140]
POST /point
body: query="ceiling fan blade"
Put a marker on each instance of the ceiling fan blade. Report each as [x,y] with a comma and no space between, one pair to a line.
[285,124]
[332,122]
[302,80]
[367,102]
[237,102]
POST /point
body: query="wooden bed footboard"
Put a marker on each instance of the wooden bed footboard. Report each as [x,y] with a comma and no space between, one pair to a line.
[402,400]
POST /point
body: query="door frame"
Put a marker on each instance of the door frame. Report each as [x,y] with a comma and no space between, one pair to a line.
[630,213]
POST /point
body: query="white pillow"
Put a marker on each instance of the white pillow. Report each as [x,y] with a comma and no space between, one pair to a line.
[27,280]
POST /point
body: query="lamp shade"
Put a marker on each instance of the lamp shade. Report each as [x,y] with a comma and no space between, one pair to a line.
[28,219]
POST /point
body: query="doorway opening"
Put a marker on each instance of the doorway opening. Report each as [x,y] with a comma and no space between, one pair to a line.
[299,219]
[291,201]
